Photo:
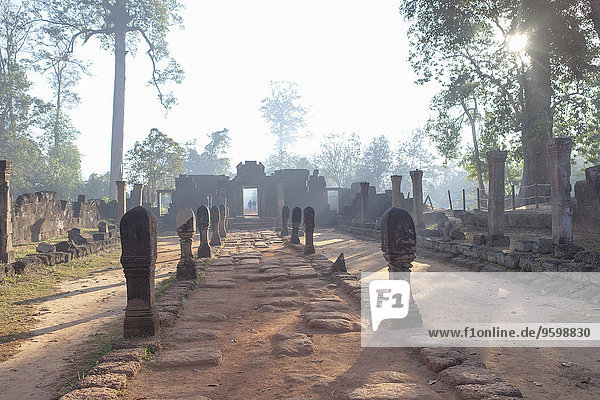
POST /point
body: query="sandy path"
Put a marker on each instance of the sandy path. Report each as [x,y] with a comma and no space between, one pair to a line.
[70,325]
[523,367]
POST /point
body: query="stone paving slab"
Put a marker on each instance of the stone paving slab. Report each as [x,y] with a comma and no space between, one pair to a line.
[190,358]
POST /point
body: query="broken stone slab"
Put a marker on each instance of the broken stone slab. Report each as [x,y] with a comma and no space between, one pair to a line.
[64,246]
[302,273]
[438,359]
[129,368]
[190,358]
[218,284]
[524,245]
[45,248]
[468,374]
[386,391]
[152,344]
[544,246]
[481,392]
[266,276]
[567,250]
[112,381]
[124,355]
[327,315]
[267,267]
[76,236]
[291,344]
[92,393]
[276,293]
[334,325]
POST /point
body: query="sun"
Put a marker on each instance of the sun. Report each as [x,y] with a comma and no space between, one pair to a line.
[517,43]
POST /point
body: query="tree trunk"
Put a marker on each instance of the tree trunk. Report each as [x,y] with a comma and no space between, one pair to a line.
[116,154]
[57,115]
[537,121]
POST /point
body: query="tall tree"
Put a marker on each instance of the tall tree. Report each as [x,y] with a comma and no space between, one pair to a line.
[376,163]
[213,160]
[339,158]
[121,25]
[532,79]
[156,161]
[285,114]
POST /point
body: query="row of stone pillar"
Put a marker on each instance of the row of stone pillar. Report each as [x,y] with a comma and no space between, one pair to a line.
[309,226]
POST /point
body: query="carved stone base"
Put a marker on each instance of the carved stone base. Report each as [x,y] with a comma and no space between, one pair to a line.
[186,270]
[141,323]
[309,249]
[204,250]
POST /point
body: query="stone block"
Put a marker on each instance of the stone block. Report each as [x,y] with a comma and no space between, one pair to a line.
[100,236]
[524,245]
[497,241]
[512,260]
[588,257]
[64,246]
[479,240]
[45,248]
[567,250]
[544,246]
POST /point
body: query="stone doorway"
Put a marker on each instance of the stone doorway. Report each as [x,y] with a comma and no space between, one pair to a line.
[250,201]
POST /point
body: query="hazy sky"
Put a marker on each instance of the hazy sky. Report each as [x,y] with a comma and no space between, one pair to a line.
[348,57]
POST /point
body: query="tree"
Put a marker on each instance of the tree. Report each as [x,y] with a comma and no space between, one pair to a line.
[156,161]
[213,160]
[414,153]
[339,158]
[285,114]
[96,186]
[376,163]
[528,53]
[285,160]
[121,25]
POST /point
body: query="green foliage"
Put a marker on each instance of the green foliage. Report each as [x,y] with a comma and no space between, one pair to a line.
[96,186]
[277,161]
[213,160]
[339,158]
[156,161]
[285,115]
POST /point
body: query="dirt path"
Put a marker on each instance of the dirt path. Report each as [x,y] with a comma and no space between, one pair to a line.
[263,326]
[538,372]
[72,323]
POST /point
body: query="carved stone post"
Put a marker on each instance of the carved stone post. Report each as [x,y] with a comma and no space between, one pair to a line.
[398,243]
[309,230]
[496,237]
[186,228]
[226,222]
[215,218]
[559,155]
[285,216]
[280,197]
[138,243]
[136,194]
[364,202]
[6,249]
[416,177]
[296,219]
[159,201]
[121,203]
[396,191]
[203,221]
[222,232]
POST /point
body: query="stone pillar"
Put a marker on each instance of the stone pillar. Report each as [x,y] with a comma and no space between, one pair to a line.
[364,202]
[138,243]
[285,216]
[6,249]
[136,195]
[280,198]
[296,219]
[222,232]
[309,230]
[398,243]
[203,221]
[227,219]
[121,202]
[559,155]
[159,201]
[416,177]
[186,228]
[396,191]
[215,218]
[495,237]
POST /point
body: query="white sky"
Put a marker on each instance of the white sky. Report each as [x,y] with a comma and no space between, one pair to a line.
[348,57]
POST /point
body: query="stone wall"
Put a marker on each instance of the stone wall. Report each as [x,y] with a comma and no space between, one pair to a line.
[41,216]
[587,202]
[526,220]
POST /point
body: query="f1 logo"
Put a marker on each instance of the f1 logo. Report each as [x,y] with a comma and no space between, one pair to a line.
[389,299]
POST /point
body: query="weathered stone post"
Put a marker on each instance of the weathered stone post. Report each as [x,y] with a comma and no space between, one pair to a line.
[496,237]
[559,155]
[227,219]
[6,249]
[186,228]
[222,213]
[309,230]
[215,218]
[396,191]
[121,203]
[285,216]
[136,194]
[364,202]
[159,201]
[138,243]
[296,219]
[398,243]
[203,221]
[416,177]
[280,197]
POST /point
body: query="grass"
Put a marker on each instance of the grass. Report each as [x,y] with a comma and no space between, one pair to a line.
[21,250]
[19,294]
